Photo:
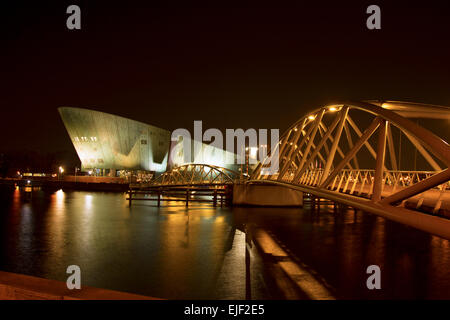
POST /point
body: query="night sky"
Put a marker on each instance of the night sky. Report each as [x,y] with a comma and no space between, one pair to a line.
[232,65]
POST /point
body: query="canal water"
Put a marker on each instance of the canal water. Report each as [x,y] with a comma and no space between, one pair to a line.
[198,252]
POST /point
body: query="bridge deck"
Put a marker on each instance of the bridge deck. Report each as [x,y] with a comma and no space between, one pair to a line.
[425,201]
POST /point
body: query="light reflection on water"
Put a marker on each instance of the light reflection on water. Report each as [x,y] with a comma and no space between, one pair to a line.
[169,252]
[340,246]
[199,252]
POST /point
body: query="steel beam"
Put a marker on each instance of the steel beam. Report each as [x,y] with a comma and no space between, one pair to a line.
[391,148]
[421,221]
[423,152]
[419,187]
[364,137]
[350,143]
[311,138]
[304,166]
[344,112]
[381,151]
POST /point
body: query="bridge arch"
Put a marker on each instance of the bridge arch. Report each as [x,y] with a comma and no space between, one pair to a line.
[327,152]
[196,174]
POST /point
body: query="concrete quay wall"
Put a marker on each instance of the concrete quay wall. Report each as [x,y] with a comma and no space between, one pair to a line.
[266,195]
[15,286]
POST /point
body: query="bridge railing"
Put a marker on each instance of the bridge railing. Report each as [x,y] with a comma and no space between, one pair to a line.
[360,182]
[194,175]
[341,137]
[393,178]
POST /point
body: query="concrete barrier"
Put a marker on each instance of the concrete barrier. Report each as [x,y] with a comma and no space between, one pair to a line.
[266,195]
[15,286]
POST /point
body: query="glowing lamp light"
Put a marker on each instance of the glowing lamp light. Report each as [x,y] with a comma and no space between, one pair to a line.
[61,169]
[311,117]
[332,109]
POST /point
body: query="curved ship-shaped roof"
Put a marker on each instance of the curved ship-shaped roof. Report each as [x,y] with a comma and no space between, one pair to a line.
[107,141]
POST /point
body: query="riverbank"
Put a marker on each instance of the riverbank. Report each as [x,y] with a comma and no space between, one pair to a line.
[15,286]
[55,184]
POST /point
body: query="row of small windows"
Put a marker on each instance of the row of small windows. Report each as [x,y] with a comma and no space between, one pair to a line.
[94,139]
[85,139]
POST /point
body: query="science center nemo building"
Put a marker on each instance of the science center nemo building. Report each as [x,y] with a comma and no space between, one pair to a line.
[110,145]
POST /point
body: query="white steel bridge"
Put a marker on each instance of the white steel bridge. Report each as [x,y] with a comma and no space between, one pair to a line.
[350,152]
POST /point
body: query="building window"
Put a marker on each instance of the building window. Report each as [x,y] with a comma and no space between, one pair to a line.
[143,141]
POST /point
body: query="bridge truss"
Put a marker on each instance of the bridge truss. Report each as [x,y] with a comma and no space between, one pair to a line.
[328,154]
[196,174]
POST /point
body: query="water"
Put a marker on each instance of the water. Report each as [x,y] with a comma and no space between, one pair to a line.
[168,252]
[199,253]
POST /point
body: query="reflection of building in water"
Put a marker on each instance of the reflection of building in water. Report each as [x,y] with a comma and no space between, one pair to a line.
[112,145]
[191,242]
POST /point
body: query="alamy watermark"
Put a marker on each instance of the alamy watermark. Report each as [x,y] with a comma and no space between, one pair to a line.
[73,21]
[235,150]
[374,280]
[373,22]
[74,280]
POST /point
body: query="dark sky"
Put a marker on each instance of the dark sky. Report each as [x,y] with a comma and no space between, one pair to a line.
[232,66]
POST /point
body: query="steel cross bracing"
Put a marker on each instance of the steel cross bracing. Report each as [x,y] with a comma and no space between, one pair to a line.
[196,174]
[351,152]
